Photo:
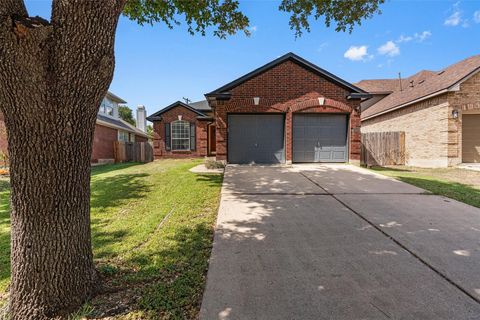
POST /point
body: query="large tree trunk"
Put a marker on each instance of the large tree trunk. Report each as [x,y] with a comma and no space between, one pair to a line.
[53,76]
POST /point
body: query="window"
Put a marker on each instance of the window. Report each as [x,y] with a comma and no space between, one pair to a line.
[123,136]
[109,110]
[180,135]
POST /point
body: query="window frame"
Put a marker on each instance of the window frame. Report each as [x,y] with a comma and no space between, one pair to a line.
[172,124]
[123,134]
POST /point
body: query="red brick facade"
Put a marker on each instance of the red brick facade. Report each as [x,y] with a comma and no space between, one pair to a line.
[288,88]
[103,142]
[159,149]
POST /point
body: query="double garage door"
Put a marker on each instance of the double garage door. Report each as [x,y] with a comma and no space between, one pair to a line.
[259,138]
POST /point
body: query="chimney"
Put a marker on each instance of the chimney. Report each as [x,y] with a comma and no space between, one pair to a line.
[141,118]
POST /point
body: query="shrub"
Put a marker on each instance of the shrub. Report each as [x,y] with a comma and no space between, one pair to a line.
[212,164]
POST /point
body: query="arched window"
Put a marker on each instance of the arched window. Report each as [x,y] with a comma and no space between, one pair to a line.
[180,135]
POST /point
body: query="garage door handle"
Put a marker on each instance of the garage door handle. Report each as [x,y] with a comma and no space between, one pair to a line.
[256,145]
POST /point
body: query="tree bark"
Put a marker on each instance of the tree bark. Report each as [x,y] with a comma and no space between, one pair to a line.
[53,76]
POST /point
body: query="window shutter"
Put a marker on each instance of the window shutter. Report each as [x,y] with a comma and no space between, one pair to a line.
[192,136]
[168,139]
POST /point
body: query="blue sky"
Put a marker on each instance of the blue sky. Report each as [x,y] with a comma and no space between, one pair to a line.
[156,66]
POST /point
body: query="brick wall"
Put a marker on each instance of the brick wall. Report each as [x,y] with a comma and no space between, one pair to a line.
[433,138]
[140,138]
[466,100]
[426,131]
[287,88]
[171,115]
[103,143]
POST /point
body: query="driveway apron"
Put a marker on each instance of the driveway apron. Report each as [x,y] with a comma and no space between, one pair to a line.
[339,242]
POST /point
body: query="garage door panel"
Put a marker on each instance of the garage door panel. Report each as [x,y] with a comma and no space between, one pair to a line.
[471,138]
[256,139]
[319,138]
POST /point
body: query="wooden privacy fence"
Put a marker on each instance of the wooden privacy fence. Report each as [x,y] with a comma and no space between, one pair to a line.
[132,151]
[383,148]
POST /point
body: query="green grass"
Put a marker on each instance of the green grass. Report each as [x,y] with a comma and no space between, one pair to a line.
[156,269]
[444,182]
[4,236]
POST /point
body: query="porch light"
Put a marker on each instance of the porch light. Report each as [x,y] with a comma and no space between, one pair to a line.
[179,117]
[256,100]
[321,101]
[455,114]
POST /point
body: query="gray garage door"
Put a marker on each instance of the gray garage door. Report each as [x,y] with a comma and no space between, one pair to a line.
[319,138]
[256,139]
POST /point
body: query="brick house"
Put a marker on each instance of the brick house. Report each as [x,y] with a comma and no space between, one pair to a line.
[288,110]
[439,111]
[109,128]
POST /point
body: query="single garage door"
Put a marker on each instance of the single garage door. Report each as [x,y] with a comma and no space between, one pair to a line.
[319,138]
[256,138]
[471,138]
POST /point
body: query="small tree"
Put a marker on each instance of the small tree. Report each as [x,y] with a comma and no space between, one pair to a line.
[126,114]
[53,76]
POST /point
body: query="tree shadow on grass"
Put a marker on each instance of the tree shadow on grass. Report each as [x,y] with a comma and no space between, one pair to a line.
[169,279]
[117,190]
[4,257]
[460,192]
[213,180]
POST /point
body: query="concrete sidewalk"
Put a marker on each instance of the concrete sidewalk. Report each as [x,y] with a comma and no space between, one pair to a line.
[338,242]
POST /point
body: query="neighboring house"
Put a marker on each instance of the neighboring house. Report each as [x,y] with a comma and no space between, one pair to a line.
[439,111]
[109,128]
[288,110]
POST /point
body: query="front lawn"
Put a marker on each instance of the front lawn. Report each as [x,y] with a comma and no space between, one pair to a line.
[459,184]
[152,227]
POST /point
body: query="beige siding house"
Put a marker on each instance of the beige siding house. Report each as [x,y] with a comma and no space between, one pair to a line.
[438,111]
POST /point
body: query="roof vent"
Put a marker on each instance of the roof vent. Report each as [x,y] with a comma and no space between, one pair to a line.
[440,72]
[421,81]
[411,83]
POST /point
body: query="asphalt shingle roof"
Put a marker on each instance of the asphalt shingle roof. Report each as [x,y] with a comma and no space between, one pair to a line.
[425,83]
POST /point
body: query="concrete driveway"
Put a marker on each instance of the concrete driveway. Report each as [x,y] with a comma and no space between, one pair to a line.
[340,242]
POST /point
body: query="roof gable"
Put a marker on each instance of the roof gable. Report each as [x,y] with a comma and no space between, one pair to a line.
[157,115]
[224,90]
[423,85]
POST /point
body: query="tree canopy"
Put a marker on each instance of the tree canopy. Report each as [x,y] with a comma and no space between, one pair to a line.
[227,19]
[126,114]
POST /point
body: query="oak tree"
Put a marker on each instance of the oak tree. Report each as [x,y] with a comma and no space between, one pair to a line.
[53,76]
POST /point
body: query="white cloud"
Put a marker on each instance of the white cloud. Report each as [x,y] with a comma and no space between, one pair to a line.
[390,49]
[355,53]
[403,38]
[454,19]
[476,16]
[422,36]
[322,46]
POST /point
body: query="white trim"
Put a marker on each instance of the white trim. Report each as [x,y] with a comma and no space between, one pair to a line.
[189,136]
